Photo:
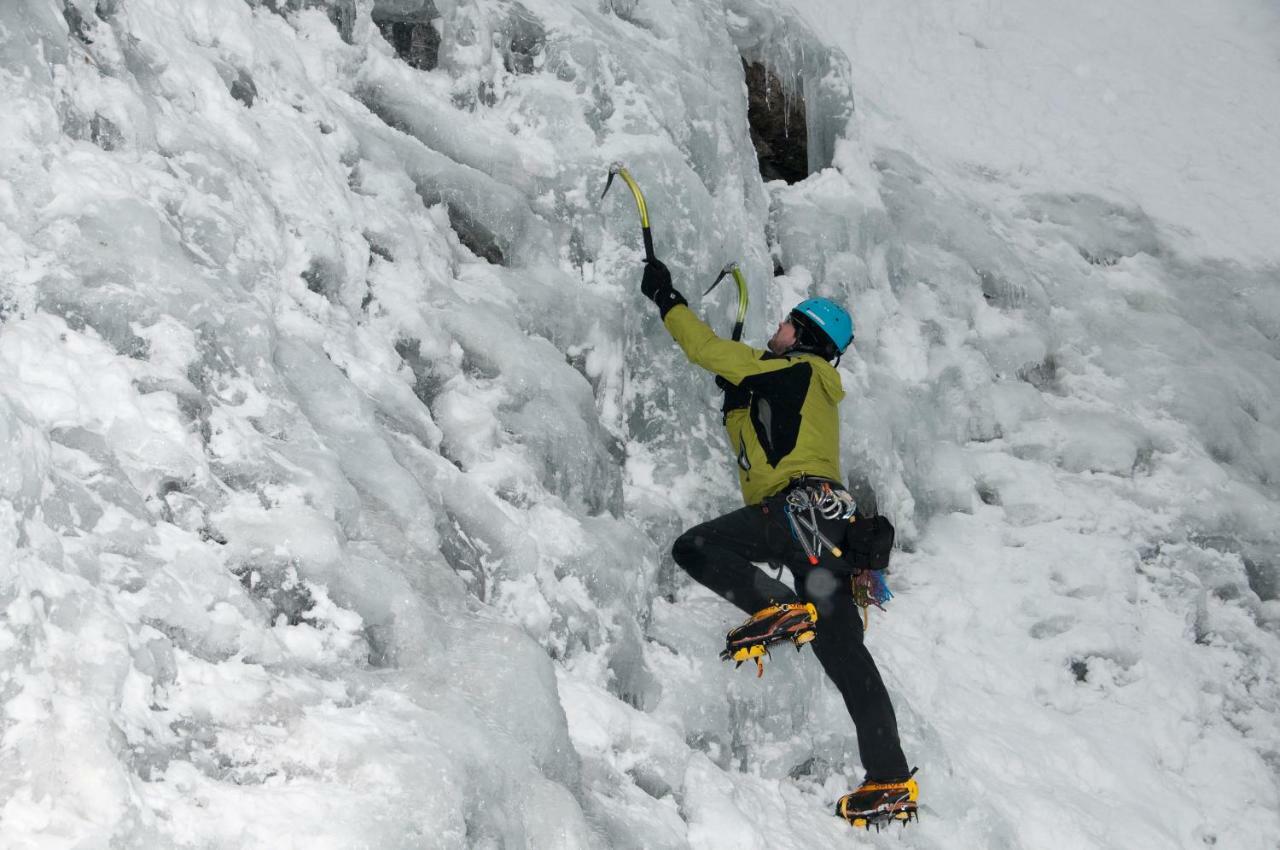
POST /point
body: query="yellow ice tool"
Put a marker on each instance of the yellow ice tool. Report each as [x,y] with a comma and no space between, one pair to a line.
[620,170]
[733,269]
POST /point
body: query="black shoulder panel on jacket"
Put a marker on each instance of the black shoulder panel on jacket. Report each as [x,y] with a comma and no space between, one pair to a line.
[776,400]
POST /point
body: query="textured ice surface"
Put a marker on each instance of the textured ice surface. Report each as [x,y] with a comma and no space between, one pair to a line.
[342,454]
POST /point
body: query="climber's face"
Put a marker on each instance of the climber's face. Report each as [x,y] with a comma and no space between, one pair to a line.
[783,338]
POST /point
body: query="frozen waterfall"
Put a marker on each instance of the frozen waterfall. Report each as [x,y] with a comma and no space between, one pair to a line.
[342,455]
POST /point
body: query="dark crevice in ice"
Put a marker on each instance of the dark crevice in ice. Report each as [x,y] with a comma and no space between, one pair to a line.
[477,239]
[1080,669]
[1263,578]
[777,120]
[243,89]
[280,591]
[76,24]
[426,383]
[464,555]
[525,43]
[1043,375]
[323,277]
[414,35]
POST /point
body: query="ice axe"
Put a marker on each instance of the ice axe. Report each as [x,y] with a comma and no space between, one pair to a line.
[620,170]
[731,268]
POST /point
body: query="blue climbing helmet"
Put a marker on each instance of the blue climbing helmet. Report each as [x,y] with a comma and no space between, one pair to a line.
[824,326]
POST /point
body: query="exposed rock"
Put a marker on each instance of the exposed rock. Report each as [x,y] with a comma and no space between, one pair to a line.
[776,114]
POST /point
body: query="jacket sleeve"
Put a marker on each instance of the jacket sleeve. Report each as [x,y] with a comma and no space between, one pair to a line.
[735,361]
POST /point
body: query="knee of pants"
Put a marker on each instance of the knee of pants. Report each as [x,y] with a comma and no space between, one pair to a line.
[688,550]
[685,549]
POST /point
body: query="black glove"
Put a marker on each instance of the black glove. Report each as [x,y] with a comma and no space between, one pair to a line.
[656,286]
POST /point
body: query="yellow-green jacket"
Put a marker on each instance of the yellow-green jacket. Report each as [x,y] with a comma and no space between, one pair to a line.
[781,413]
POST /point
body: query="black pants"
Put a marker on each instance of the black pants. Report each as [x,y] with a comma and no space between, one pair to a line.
[719,554]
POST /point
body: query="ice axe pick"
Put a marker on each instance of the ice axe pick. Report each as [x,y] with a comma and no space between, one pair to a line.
[620,170]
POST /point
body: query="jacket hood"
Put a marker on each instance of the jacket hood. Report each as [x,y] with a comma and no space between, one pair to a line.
[827,376]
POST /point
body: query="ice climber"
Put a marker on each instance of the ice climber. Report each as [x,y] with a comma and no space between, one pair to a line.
[781,412]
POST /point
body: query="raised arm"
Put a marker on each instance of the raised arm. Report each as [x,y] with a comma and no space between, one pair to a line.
[734,361]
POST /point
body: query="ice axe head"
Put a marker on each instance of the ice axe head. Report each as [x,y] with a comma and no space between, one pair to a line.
[613,171]
[620,170]
[724,272]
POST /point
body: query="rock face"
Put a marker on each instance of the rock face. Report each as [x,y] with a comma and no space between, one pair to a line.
[778,130]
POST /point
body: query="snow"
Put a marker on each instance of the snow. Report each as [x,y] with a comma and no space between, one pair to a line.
[1168,105]
[344,456]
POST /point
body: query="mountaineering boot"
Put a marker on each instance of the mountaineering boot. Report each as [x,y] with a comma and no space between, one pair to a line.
[793,621]
[876,803]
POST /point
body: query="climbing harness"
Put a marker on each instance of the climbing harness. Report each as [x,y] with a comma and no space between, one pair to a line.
[804,505]
[732,268]
[620,170]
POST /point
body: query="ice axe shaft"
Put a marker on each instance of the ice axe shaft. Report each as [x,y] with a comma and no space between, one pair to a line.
[619,170]
[733,269]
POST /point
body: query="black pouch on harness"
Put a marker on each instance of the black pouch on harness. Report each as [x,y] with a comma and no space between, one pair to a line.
[868,542]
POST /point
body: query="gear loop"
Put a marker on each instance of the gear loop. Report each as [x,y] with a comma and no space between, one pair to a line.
[831,502]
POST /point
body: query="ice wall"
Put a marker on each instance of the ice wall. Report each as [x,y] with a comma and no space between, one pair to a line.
[344,454]
[319,375]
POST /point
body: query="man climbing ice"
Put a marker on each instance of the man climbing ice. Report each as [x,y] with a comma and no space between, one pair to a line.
[780,410]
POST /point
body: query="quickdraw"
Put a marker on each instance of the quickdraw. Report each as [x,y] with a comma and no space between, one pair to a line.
[806,504]
[803,507]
